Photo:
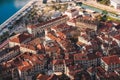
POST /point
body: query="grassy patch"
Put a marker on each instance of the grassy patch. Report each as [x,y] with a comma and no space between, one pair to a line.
[105,2]
[101,9]
[113,19]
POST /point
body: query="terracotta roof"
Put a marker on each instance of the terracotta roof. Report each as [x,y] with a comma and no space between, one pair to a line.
[80,43]
[39,46]
[47,22]
[74,67]
[61,27]
[72,20]
[53,77]
[31,26]
[117,37]
[24,62]
[114,43]
[41,56]
[71,10]
[42,77]
[58,62]
[61,35]
[91,69]
[81,56]
[101,73]
[109,24]
[25,66]
[52,47]
[52,36]
[34,58]
[66,44]
[92,56]
[28,47]
[34,42]
[99,54]
[47,77]
[114,59]
[88,47]
[19,38]
[87,18]
[68,61]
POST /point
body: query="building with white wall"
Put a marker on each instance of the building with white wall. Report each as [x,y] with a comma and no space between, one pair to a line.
[61,0]
[110,63]
[38,29]
[72,13]
[115,4]
[19,39]
[27,48]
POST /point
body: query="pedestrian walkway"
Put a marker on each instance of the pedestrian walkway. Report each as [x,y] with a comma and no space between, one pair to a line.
[101,6]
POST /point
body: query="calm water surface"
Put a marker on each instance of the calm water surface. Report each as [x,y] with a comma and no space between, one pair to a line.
[9,7]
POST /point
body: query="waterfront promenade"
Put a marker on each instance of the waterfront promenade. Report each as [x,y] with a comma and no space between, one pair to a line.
[93,5]
[101,6]
[9,22]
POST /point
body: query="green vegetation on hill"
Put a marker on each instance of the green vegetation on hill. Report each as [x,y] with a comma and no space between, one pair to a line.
[105,2]
[112,19]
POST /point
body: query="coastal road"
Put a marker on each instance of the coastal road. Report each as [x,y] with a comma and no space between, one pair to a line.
[101,6]
[93,5]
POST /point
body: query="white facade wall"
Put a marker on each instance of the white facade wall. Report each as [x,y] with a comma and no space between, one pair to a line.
[12,44]
[72,14]
[81,39]
[40,29]
[110,67]
[115,4]
[23,50]
[118,41]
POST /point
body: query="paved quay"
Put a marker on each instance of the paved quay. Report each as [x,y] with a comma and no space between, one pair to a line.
[101,6]
[4,26]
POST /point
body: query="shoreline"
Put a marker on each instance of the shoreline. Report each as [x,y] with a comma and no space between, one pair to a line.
[16,16]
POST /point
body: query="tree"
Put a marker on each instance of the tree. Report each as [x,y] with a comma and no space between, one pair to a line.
[104,18]
[10,27]
[6,34]
[105,2]
[13,34]
[104,12]
[79,3]
[64,77]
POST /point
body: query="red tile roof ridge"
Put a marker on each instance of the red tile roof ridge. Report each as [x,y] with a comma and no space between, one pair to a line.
[58,61]
[42,77]
[117,36]
[114,59]
[19,38]
[43,23]
[25,66]
[27,46]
